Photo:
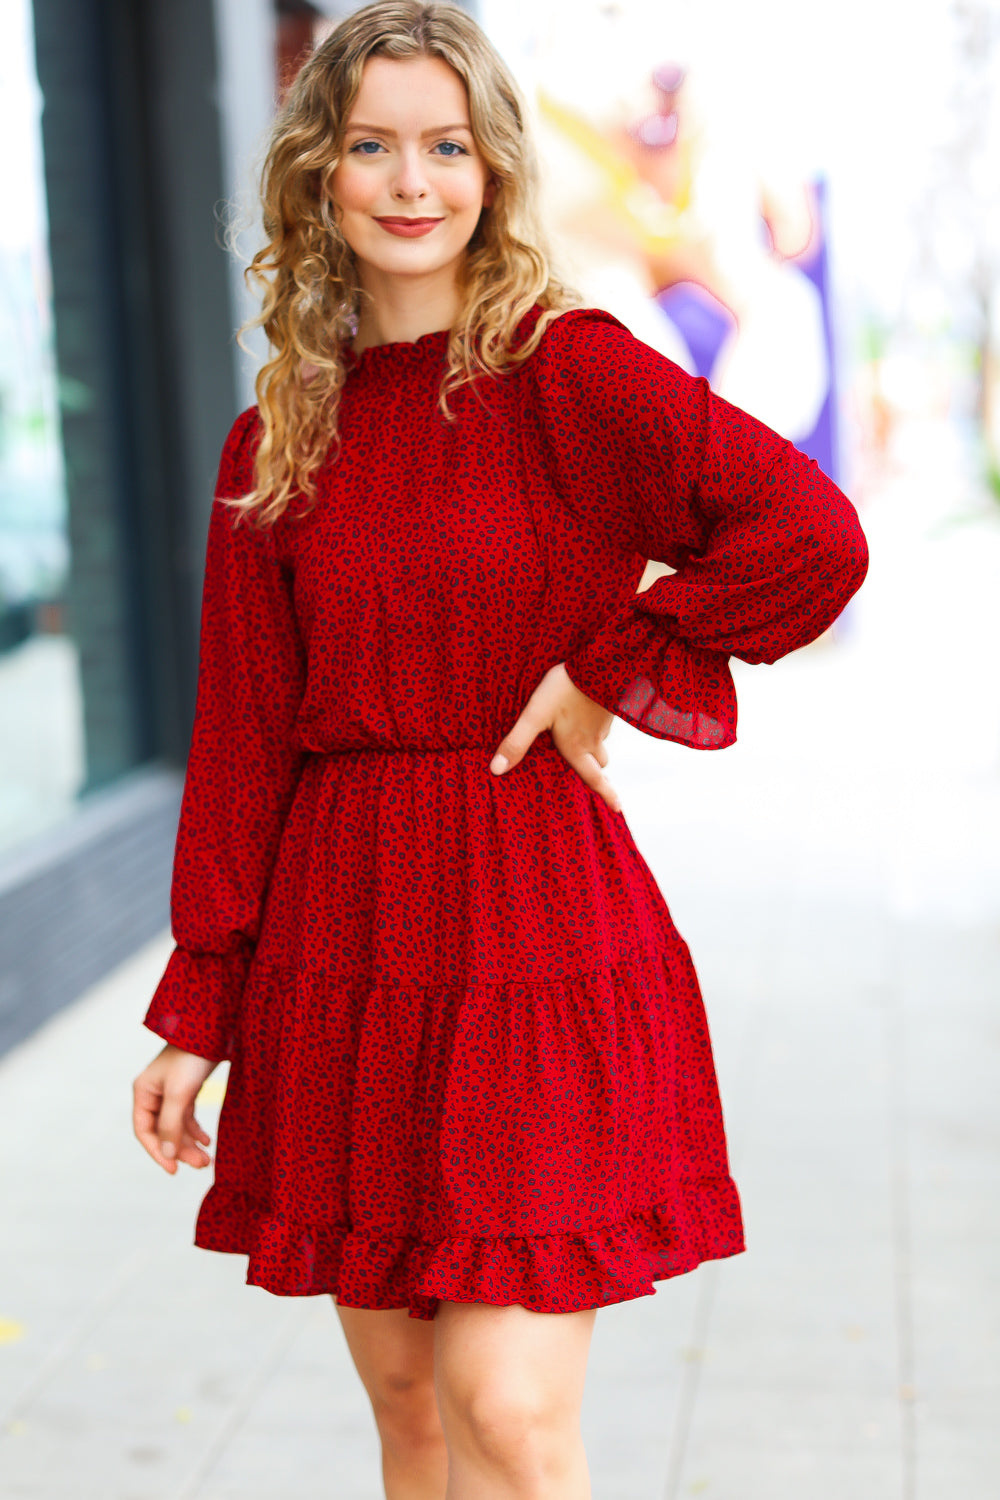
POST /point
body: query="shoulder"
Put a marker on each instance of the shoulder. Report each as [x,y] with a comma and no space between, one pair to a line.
[570,333]
[232,534]
[592,378]
[589,351]
[577,327]
[236,477]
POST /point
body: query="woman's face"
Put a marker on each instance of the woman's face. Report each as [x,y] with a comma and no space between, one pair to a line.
[411,184]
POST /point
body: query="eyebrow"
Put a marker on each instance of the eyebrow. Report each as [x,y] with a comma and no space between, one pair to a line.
[434,130]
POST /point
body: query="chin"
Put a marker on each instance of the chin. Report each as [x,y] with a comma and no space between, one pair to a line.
[410,256]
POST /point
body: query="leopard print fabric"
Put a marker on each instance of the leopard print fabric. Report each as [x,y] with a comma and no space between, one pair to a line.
[470,1059]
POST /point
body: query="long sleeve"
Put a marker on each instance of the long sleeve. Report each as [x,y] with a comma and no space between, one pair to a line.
[242,769]
[767,549]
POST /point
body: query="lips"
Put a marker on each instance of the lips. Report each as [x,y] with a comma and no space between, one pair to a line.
[407,227]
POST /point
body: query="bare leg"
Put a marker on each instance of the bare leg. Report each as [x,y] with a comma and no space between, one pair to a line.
[510,1384]
[394,1355]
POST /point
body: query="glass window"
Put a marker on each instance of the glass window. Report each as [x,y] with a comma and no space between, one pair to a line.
[41,743]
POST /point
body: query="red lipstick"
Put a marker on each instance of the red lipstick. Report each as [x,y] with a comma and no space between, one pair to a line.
[408,228]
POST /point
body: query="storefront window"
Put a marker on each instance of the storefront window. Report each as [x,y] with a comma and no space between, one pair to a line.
[41,740]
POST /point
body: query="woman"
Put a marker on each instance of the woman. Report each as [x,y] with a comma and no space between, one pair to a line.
[472,1094]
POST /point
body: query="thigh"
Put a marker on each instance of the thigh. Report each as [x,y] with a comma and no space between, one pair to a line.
[392,1352]
[539,1359]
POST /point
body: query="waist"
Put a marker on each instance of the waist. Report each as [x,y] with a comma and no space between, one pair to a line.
[543,744]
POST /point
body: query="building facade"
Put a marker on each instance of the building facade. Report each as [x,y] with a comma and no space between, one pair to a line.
[141,126]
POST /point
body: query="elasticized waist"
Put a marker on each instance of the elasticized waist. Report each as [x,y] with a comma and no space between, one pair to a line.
[544,744]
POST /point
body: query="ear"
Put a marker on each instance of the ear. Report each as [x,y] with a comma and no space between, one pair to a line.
[489,193]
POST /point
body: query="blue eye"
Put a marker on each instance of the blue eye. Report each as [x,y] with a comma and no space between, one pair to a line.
[456,149]
[361,147]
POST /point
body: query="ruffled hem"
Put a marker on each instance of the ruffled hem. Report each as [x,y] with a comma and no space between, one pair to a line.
[547,1273]
[195,1004]
[672,690]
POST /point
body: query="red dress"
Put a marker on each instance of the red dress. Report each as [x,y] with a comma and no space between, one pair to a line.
[469,1054]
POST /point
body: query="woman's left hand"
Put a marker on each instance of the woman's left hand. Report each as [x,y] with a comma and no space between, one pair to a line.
[578,725]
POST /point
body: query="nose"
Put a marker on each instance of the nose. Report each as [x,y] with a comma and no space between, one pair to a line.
[410,182]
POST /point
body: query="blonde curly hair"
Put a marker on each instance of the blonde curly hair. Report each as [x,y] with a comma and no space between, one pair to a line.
[306,270]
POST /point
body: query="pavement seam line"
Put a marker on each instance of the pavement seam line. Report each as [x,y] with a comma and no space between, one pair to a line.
[902,1238]
[279,1346]
[758,1017]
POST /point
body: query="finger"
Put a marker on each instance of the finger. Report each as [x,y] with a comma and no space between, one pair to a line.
[145,1108]
[170,1126]
[193,1156]
[150,1142]
[588,767]
[194,1131]
[145,1119]
[600,754]
[515,745]
[194,1138]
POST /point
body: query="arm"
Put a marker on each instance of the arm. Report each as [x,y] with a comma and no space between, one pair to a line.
[242,770]
[767,549]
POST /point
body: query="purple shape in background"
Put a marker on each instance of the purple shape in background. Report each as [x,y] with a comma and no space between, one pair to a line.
[702,321]
[822,443]
[705,323]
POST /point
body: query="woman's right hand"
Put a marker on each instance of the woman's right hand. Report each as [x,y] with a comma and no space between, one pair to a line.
[163,1110]
[578,727]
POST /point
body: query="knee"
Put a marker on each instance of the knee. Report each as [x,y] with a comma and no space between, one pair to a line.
[406,1412]
[512,1431]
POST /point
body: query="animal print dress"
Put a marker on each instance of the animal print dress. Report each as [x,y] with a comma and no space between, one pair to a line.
[470,1059]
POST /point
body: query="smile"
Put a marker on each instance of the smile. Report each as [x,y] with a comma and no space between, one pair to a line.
[408,228]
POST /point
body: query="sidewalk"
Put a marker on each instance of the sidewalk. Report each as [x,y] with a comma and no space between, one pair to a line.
[837,876]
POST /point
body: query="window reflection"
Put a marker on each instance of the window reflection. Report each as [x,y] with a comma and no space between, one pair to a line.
[41,742]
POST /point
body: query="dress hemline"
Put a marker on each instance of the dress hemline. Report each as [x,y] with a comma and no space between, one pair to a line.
[555,1272]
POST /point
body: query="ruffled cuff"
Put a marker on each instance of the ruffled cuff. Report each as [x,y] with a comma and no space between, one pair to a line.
[658,683]
[196,1003]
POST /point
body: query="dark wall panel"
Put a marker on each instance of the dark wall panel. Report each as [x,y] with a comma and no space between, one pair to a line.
[133,162]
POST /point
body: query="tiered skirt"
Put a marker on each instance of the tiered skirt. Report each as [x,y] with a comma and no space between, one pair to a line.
[473,1062]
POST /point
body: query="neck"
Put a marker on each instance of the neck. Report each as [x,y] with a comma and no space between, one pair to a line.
[398,309]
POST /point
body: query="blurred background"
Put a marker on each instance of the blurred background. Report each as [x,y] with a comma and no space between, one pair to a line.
[803,205]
